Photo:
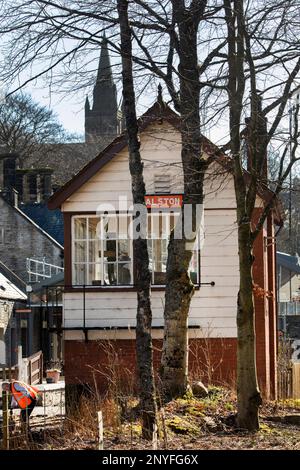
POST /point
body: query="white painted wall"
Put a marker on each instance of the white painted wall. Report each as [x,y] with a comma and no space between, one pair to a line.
[213,309]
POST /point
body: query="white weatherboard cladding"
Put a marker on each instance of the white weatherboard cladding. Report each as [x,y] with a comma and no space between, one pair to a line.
[213,309]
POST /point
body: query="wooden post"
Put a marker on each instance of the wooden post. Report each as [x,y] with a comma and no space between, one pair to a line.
[5,417]
[164,427]
[11,417]
[30,371]
[100,430]
[20,364]
[154,438]
[41,367]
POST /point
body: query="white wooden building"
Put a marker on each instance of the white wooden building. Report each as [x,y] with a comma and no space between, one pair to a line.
[100,300]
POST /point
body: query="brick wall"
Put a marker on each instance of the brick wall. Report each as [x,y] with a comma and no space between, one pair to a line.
[212,360]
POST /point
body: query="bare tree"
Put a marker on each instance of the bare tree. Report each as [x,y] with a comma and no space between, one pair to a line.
[140,249]
[242,37]
[179,288]
[165,36]
[26,127]
[241,60]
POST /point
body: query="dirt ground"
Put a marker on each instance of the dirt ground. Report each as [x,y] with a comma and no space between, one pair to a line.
[188,423]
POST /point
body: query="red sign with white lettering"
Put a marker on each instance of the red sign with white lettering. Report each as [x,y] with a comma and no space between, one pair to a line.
[164,201]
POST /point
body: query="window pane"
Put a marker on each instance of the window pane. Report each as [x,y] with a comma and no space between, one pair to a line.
[123,250]
[94,251]
[79,274]
[160,260]
[110,227]
[154,225]
[161,224]
[102,250]
[80,251]
[109,247]
[110,274]
[150,254]
[94,228]
[123,230]
[193,269]
[124,273]
[79,228]
[95,274]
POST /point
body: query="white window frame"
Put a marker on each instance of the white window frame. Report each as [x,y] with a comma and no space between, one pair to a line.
[102,263]
[87,263]
[166,235]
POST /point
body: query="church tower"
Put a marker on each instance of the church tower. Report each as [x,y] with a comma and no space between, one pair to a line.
[101,120]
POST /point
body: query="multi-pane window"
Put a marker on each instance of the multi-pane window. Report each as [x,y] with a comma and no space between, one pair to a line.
[160,225]
[102,249]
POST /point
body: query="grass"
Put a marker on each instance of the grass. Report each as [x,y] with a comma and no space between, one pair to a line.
[187,423]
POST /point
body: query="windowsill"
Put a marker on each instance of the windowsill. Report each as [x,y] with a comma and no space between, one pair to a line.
[114,288]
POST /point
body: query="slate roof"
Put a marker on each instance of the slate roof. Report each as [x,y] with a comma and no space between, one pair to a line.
[291,263]
[55,280]
[49,221]
[10,291]
[12,277]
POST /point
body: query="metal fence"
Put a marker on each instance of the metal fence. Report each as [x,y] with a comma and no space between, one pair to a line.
[289,308]
[39,270]
[49,413]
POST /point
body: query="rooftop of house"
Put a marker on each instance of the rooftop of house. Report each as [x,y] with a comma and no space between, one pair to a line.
[45,219]
[55,280]
[289,262]
[12,277]
[9,290]
[160,112]
[50,221]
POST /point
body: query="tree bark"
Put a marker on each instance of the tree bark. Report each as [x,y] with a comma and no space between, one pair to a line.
[249,399]
[140,251]
[179,288]
[248,395]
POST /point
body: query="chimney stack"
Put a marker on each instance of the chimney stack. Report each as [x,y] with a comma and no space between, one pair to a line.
[45,186]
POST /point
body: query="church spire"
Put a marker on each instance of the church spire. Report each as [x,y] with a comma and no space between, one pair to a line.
[105,87]
[104,68]
[102,119]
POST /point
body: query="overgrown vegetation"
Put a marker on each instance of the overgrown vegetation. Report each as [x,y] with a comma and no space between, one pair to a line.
[185,423]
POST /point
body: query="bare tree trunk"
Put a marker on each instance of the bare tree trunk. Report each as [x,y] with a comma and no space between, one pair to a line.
[249,399]
[248,394]
[140,250]
[179,288]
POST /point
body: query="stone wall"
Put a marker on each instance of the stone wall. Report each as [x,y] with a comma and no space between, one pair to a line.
[23,239]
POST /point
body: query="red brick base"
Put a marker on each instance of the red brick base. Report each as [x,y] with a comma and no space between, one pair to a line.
[101,362]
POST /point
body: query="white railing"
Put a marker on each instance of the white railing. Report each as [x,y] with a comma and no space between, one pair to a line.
[289,308]
[39,270]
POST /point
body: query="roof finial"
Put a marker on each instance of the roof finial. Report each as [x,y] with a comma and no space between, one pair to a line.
[159,94]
